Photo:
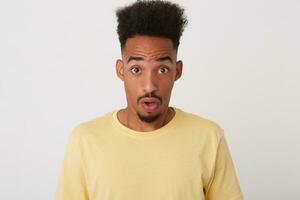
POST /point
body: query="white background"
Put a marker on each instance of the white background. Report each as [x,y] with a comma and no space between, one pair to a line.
[241,69]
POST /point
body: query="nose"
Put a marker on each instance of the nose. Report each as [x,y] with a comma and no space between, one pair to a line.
[150,83]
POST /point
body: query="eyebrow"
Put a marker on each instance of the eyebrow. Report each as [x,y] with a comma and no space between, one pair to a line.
[134,58]
[161,59]
[164,59]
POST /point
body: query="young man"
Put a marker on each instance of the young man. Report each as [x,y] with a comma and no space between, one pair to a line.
[148,150]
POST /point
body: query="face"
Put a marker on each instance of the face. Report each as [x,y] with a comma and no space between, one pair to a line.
[148,69]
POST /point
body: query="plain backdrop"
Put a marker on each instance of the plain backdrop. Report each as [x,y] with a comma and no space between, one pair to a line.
[241,70]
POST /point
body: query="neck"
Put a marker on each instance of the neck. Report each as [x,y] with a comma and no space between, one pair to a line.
[130,119]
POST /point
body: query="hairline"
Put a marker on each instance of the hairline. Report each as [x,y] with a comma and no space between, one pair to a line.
[138,35]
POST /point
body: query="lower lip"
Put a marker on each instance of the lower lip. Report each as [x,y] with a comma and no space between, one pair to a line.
[150,107]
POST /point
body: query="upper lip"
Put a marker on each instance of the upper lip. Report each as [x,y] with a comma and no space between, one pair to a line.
[150,100]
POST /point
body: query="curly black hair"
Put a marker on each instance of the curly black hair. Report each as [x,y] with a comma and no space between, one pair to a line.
[151,18]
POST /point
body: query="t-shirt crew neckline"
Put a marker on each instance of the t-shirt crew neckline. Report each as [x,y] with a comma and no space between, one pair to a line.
[149,134]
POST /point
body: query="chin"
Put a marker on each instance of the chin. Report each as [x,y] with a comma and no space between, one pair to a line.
[148,118]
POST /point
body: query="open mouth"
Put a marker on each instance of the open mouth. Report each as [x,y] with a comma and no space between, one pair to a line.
[150,104]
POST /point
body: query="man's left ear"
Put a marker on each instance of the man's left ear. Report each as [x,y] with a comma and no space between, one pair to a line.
[179,66]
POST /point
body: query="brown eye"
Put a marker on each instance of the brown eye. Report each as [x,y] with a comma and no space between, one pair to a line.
[163,70]
[135,70]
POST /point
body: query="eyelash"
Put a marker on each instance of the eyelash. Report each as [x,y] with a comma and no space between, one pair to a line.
[136,67]
[167,69]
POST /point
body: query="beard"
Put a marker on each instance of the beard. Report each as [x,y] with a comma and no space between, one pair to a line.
[148,119]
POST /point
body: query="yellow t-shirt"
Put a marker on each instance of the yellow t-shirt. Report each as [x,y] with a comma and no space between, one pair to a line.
[187,159]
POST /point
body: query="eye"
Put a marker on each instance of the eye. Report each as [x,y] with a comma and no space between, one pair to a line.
[163,70]
[135,70]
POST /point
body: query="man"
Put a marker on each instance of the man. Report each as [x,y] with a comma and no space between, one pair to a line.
[148,150]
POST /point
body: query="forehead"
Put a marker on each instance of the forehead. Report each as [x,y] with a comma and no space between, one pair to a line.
[147,46]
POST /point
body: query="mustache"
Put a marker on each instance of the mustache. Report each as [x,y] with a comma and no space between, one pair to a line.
[149,95]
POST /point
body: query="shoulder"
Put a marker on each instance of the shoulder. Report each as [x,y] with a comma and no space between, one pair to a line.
[202,126]
[92,126]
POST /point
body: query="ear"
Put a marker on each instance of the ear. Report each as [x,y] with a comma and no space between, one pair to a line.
[179,66]
[120,69]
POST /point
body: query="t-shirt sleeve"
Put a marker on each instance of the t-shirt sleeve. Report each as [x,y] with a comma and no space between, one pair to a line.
[72,180]
[224,183]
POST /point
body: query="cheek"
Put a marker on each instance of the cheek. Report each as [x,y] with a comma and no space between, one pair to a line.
[167,81]
[166,87]
[131,89]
